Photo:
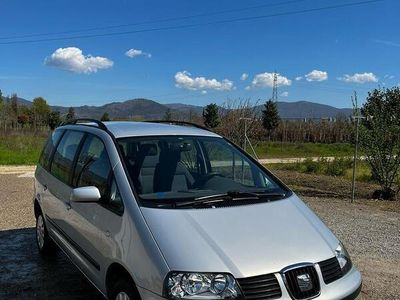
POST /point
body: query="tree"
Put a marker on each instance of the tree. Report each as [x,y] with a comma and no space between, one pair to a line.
[14,104]
[232,116]
[168,115]
[54,119]
[211,116]
[105,117]
[14,110]
[2,110]
[41,111]
[270,116]
[380,139]
[70,115]
[25,115]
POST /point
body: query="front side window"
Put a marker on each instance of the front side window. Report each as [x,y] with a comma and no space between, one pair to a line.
[63,160]
[172,169]
[93,168]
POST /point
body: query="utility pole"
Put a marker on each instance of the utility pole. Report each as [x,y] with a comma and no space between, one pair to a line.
[246,138]
[356,117]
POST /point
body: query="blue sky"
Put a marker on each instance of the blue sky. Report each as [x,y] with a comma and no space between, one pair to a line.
[321,56]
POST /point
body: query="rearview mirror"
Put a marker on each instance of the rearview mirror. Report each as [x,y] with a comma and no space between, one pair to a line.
[85,194]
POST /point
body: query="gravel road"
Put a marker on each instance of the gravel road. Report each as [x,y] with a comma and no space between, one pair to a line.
[372,236]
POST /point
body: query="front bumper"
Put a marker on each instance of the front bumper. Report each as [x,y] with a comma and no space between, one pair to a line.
[346,288]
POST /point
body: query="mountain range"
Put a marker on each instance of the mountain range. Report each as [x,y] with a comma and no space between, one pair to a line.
[149,109]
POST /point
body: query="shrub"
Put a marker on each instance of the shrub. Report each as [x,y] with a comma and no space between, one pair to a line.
[312,167]
[338,166]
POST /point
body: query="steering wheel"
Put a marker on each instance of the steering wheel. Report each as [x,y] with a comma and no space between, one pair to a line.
[205,178]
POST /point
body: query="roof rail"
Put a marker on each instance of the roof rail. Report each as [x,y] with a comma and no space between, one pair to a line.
[78,121]
[184,123]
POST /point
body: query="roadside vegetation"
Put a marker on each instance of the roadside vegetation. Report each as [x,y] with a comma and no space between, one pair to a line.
[338,167]
[21,149]
[286,150]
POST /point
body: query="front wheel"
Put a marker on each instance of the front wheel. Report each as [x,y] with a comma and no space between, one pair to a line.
[45,244]
[124,290]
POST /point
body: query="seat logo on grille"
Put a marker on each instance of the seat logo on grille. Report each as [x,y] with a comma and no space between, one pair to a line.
[304,282]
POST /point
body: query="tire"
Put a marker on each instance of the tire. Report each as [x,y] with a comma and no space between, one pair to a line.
[124,290]
[45,244]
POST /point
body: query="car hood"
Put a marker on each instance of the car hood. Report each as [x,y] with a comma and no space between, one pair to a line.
[244,240]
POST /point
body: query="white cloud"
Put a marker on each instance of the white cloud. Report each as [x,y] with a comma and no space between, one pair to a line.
[387,76]
[285,94]
[73,60]
[185,81]
[244,76]
[204,92]
[299,78]
[359,78]
[316,75]
[387,43]
[267,80]
[136,52]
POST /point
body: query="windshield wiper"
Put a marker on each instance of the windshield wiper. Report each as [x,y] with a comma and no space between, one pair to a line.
[229,196]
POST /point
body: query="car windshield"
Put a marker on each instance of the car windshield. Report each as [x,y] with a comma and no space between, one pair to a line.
[171,169]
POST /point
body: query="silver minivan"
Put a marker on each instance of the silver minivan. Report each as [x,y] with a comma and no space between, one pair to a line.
[148,210]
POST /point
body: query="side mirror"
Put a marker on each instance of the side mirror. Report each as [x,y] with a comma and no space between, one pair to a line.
[85,194]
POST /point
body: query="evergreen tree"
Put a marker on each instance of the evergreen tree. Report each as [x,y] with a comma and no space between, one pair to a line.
[270,116]
[70,115]
[211,116]
[168,115]
[54,119]
[105,117]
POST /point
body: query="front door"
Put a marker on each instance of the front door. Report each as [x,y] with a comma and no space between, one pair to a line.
[94,225]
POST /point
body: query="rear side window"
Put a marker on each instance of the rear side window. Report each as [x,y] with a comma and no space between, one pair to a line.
[93,167]
[63,160]
[49,148]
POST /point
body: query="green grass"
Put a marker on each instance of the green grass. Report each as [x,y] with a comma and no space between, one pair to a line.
[282,150]
[339,167]
[21,149]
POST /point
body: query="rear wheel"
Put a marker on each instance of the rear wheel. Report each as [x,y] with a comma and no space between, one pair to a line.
[124,290]
[45,244]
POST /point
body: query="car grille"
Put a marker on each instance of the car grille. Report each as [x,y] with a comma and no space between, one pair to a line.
[302,282]
[260,287]
[331,270]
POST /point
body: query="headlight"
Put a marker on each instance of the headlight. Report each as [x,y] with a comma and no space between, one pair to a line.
[180,285]
[343,258]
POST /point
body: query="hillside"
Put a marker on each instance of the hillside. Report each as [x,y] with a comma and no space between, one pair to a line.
[20,101]
[305,109]
[149,109]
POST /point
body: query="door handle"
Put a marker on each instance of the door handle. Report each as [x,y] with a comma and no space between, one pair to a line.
[107,233]
[68,205]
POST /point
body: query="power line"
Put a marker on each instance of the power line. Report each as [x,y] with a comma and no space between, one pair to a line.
[295,12]
[153,21]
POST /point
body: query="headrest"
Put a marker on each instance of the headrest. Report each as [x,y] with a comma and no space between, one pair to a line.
[148,149]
